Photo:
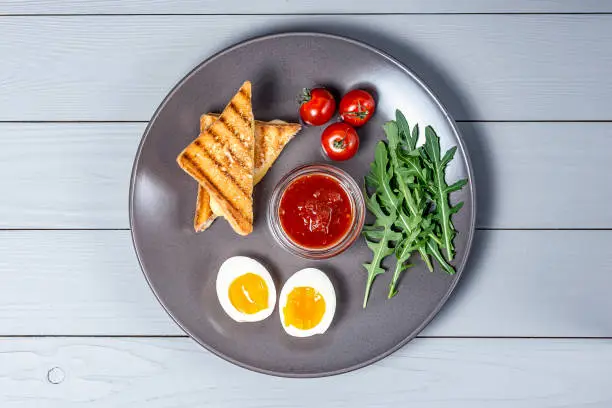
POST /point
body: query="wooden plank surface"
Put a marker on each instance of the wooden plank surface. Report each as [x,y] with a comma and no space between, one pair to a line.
[75,282]
[295,6]
[517,283]
[528,175]
[484,67]
[66,176]
[432,373]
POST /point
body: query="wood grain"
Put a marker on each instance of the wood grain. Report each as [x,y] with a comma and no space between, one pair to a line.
[294,6]
[528,175]
[66,176]
[432,373]
[75,282]
[484,67]
[517,283]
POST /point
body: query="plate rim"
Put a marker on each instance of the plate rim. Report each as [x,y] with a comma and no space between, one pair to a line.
[460,142]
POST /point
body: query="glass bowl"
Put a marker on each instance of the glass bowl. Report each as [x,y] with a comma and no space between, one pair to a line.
[356,201]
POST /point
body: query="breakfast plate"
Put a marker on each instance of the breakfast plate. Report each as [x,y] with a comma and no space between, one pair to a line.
[183,267]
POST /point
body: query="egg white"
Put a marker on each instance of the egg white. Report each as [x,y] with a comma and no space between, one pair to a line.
[316,279]
[231,269]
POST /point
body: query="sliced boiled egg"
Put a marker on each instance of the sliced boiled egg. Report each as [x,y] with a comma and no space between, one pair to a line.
[245,289]
[307,303]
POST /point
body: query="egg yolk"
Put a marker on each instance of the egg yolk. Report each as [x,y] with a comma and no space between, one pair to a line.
[248,293]
[304,309]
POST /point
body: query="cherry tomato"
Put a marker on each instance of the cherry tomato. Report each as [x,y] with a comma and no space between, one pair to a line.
[357,107]
[340,141]
[317,106]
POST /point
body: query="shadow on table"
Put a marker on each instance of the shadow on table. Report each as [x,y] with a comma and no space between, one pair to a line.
[451,97]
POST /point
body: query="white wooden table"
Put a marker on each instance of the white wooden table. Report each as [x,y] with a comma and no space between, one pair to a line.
[529,82]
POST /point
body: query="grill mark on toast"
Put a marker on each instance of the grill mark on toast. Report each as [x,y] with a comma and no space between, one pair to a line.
[206,121]
[198,143]
[227,174]
[245,94]
[217,138]
[208,127]
[232,130]
[195,167]
[232,106]
[220,166]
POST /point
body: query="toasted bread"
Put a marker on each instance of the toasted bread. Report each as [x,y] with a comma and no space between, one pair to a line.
[221,159]
[270,139]
[204,215]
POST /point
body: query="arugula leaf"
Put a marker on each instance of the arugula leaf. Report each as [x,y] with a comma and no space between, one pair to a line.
[378,237]
[402,252]
[439,189]
[413,165]
[409,140]
[392,132]
[456,186]
[380,176]
[409,243]
[432,248]
[415,133]
[413,227]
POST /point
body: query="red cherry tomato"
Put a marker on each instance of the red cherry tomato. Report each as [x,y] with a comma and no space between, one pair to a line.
[357,107]
[317,106]
[340,141]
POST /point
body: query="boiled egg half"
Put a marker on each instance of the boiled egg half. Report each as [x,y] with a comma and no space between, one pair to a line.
[245,289]
[307,303]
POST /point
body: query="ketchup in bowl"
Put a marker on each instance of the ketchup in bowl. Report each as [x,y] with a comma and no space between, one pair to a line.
[315,211]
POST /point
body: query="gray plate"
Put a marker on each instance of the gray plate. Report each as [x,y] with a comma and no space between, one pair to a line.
[181,266]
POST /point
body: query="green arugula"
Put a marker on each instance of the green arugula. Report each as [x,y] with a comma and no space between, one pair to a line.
[380,175]
[403,250]
[434,250]
[409,139]
[378,237]
[402,175]
[410,200]
[439,189]
[400,139]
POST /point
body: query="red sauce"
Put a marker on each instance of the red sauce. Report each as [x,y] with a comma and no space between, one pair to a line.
[315,211]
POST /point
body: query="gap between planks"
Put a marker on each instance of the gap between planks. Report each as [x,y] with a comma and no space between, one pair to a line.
[518,13]
[477,229]
[185,336]
[111,122]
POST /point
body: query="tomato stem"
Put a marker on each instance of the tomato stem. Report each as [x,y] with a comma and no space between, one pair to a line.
[360,113]
[339,144]
[305,96]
